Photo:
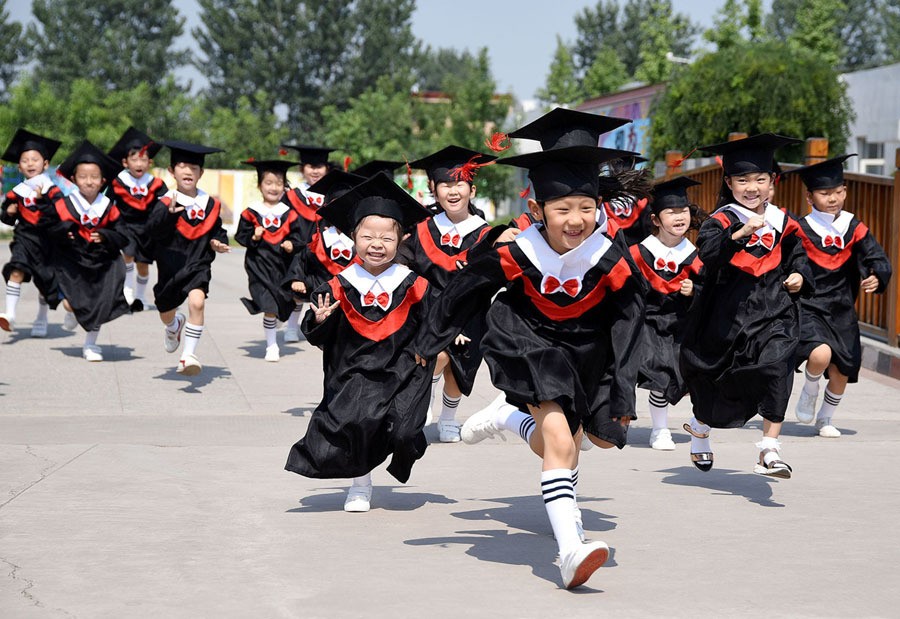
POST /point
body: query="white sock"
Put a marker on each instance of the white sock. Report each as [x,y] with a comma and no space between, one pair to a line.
[192,335]
[362,481]
[269,325]
[90,338]
[829,404]
[510,418]
[129,275]
[42,310]
[575,482]
[769,442]
[13,290]
[172,327]
[448,406]
[294,320]
[141,287]
[811,386]
[659,410]
[699,445]
[559,501]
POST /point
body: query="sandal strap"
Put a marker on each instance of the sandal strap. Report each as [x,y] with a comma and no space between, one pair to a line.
[687,428]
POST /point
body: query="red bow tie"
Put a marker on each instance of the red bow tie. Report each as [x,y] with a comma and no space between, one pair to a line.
[662,265]
[86,219]
[837,241]
[570,286]
[273,221]
[138,191]
[382,300]
[621,210]
[767,240]
[314,200]
[197,213]
[341,253]
[451,240]
[29,201]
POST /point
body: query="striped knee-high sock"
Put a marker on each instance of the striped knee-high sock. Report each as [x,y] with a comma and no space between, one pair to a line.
[141,286]
[129,275]
[829,404]
[13,292]
[269,325]
[294,320]
[811,386]
[448,407]
[192,335]
[559,501]
[659,410]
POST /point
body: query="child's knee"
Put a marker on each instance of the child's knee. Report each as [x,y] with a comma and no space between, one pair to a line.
[821,355]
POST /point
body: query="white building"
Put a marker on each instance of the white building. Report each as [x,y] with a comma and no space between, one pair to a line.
[875,134]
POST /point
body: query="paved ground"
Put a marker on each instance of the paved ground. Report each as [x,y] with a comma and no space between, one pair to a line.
[127,490]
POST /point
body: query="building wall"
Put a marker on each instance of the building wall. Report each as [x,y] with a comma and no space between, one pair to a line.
[875,134]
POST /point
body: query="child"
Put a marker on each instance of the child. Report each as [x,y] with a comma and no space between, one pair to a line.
[669,263]
[626,193]
[133,192]
[186,226]
[270,231]
[741,333]
[25,206]
[561,339]
[375,395]
[844,257]
[88,238]
[437,249]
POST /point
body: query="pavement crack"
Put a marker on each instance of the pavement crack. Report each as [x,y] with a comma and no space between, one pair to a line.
[25,591]
[44,473]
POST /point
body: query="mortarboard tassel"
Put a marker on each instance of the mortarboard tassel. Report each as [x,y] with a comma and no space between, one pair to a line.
[525,192]
[678,162]
[495,142]
[144,150]
[466,172]
[409,180]
[282,152]
[347,161]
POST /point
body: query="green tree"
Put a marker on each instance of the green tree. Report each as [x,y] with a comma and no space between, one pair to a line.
[642,19]
[657,40]
[598,29]
[12,50]
[752,87]
[119,43]
[563,87]
[817,23]
[431,67]
[606,75]
[736,21]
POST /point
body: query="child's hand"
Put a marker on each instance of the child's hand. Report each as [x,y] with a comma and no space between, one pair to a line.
[687,287]
[753,224]
[298,287]
[175,207]
[794,282]
[462,340]
[219,247]
[508,235]
[869,284]
[96,237]
[325,308]
[421,360]
[257,233]
[288,247]
[460,265]
[13,208]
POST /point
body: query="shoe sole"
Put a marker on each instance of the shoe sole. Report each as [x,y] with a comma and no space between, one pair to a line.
[666,448]
[191,370]
[779,473]
[4,324]
[38,333]
[588,566]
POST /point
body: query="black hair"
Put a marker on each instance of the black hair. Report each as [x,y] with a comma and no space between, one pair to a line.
[625,183]
[261,173]
[726,196]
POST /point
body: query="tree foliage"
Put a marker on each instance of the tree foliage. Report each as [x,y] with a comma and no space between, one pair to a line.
[12,50]
[737,21]
[563,87]
[754,88]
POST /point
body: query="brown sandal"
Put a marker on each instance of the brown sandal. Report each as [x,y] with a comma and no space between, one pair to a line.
[687,428]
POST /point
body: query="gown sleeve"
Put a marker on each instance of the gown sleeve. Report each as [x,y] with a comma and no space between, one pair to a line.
[797,261]
[716,247]
[628,320]
[320,334]
[244,233]
[113,234]
[872,260]
[5,216]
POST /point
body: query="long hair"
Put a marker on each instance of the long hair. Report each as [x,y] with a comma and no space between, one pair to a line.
[624,181]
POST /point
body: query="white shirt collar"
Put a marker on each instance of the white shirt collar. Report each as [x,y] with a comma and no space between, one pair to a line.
[572,264]
[263,210]
[186,201]
[387,282]
[773,216]
[824,224]
[677,254]
[129,181]
[94,209]
[27,188]
[463,228]
[332,237]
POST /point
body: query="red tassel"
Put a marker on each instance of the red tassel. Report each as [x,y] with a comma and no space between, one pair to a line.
[251,159]
[678,162]
[525,192]
[466,172]
[282,152]
[409,180]
[347,161]
[495,142]
[144,150]
[719,161]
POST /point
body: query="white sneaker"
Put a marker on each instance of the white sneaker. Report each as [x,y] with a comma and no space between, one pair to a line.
[272,353]
[92,352]
[189,366]
[806,407]
[479,427]
[70,323]
[448,431]
[359,499]
[579,524]
[129,294]
[578,565]
[291,335]
[172,340]
[661,439]
[7,323]
[826,430]
[39,328]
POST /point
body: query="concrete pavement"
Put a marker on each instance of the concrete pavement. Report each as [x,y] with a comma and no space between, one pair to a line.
[129,490]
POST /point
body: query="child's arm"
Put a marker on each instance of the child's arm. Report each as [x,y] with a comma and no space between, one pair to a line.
[219,240]
[112,234]
[246,231]
[321,320]
[800,278]
[626,328]
[9,210]
[873,263]
[294,239]
[295,277]
[163,217]
[717,243]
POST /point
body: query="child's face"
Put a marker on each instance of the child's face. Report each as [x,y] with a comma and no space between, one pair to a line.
[567,221]
[376,239]
[750,190]
[454,198]
[32,163]
[271,187]
[89,179]
[313,173]
[829,201]
[186,175]
[137,164]
[674,221]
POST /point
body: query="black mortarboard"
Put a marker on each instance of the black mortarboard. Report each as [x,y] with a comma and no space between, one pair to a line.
[374,167]
[452,163]
[335,184]
[672,194]
[24,140]
[270,165]
[562,128]
[312,155]
[561,172]
[378,195]
[86,152]
[131,140]
[749,155]
[826,174]
[185,152]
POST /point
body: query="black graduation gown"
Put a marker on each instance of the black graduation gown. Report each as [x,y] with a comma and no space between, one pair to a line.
[31,250]
[829,316]
[314,264]
[91,275]
[300,202]
[375,396]
[134,208]
[580,352]
[424,254]
[183,255]
[666,309]
[267,263]
[632,219]
[741,334]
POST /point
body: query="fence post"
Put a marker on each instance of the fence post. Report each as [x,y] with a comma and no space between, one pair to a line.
[674,159]
[736,135]
[815,150]
[893,320]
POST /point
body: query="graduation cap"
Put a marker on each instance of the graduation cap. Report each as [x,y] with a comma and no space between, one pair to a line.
[452,164]
[749,155]
[86,152]
[335,184]
[672,194]
[374,167]
[279,166]
[826,174]
[560,172]
[562,128]
[312,155]
[378,195]
[24,140]
[623,164]
[133,140]
[185,152]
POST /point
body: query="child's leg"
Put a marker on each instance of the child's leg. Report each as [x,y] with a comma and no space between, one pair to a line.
[701,451]
[818,360]
[129,277]
[193,329]
[660,437]
[270,324]
[448,428]
[90,350]
[359,495]
[834,391]
[292,328]
[13,292]
[39,326]
[143,278]
[770,462]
